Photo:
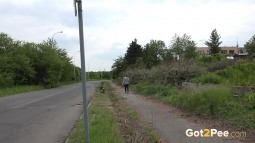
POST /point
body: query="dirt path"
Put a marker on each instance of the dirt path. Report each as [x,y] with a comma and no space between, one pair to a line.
[171,127]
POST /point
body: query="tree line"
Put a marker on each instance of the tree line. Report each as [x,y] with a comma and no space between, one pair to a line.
[181,48]
[25,63]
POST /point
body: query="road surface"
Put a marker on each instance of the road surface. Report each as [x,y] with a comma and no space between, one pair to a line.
[44,116]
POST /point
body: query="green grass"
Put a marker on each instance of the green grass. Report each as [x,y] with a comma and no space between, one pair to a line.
[241,74]
[109,123]
[103,125]
[132,113]
[19,89]
[27,88]
[208,78]
[213,101]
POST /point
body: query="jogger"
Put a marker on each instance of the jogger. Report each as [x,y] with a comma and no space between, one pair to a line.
[126,83]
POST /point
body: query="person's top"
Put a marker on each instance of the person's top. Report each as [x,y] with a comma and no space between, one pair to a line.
[125,80]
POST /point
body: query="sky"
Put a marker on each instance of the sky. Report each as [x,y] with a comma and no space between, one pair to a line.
[110,25]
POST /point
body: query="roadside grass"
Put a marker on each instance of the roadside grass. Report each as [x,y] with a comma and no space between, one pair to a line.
[27,88]
[216,101]
[134,129]
[112,121]
[103,125]
[19,89]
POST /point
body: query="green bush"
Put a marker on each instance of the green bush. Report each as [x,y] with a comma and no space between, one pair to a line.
[209,78]
[239,74]
[203,101]
[171,73]
[6,80]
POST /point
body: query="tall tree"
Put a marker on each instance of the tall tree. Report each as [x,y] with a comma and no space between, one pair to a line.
[214,42]
[6,72]
[153,52]
[250,47]
[183,46]
[134,51]
[118,66]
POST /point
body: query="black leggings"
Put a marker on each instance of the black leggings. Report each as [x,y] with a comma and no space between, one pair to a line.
[126,88]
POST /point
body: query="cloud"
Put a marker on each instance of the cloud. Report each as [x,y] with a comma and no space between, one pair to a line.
[110,25]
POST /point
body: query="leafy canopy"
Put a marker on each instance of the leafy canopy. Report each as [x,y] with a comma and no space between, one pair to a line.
[250,47]
[154,53]
[214,42]
[183,46]
[134,51]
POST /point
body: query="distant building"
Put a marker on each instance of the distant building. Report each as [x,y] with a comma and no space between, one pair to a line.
[203,50]
[225,50]
[242,51]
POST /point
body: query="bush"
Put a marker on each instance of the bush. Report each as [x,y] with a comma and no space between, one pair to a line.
[209,78]
[239,74]
[155,90]
[164,74]
[203,101]
[6,80]
[220,65]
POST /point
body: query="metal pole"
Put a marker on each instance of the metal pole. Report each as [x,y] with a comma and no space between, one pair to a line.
[53,36]
[82,51]
[56,33]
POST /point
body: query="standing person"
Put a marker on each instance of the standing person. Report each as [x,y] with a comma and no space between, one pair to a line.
[126,83]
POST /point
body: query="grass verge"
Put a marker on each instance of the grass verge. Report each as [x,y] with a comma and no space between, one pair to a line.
[19,89]
[104,127]
[112,121]
[133,128]
[27,88]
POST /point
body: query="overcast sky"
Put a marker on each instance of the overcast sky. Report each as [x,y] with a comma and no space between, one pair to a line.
[110,25]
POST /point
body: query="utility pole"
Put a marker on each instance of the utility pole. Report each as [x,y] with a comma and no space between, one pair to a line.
[82,52]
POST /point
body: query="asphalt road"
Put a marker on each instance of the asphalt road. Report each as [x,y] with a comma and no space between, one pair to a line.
[44,116]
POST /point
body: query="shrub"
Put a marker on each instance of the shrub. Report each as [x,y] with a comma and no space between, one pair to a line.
[239,74]
[203,101]
[164,74]
[209,78]
[220,65]
[6,80]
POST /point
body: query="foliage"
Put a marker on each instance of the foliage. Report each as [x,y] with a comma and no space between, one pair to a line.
[170,73]
[155,89]
[216,101]
[250,46]
[24,63]
[154,53]
[239,74]
[134,51]
[118,66]
[19,89]
[214,42]
[183,46]
[136,75]
[209,78]
[231,73]
[220,65]
[103,122]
